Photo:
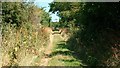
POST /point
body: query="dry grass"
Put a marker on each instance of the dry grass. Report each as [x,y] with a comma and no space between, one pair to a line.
[17,43]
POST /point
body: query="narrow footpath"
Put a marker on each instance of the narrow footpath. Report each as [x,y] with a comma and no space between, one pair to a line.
[57,54]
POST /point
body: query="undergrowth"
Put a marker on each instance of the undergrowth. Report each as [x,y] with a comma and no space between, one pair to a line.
[99,48]
[18,42]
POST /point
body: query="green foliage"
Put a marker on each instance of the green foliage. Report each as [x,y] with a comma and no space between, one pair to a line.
[11,12]
[25,41]
[99,16]
[66,11]
[20,12]
[45,18]
[97,40]
[55,24]
[99,23]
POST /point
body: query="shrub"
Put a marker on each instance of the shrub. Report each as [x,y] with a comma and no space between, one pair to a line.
[16,43]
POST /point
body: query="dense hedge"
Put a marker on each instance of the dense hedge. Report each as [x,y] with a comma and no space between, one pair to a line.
[98,38]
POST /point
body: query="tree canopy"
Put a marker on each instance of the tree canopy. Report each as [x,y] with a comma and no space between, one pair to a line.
[22,12]
[99,24]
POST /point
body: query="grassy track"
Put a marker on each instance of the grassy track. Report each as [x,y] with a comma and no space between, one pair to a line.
[61,56]
[55,53]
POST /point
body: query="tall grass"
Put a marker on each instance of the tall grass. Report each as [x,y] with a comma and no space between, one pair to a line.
[17,42]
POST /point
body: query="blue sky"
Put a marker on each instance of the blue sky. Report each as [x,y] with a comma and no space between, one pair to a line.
[45,4]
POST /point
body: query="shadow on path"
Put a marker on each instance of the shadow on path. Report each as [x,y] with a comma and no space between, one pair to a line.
[68,57]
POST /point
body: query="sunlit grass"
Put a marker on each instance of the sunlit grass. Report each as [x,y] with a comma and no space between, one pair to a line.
[61,55]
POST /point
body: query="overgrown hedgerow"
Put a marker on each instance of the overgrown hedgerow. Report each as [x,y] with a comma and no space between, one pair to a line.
[17,43]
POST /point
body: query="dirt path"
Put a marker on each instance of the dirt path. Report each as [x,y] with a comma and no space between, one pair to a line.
[44,61]
[56,53]
[54,39]
[43,53]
